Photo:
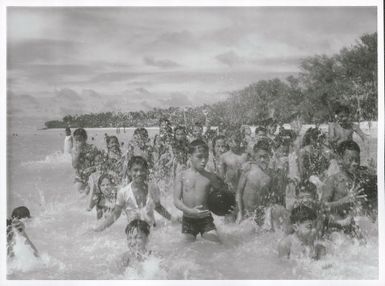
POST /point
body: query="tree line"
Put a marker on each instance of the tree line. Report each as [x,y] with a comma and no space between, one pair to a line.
[324,82]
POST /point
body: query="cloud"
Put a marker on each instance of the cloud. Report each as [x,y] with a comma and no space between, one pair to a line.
[142,90]
[183,37]
[40,50]
[127,58]
[115,76]
[51,74]
[229,58]
[146,105]
[22,104]
[228,36]
[176,99]
[165,64]
[22,99]
[91,93]
[279,61]
[68,95]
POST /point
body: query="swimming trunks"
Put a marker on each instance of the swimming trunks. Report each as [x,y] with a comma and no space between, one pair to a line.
[197,225]
[259,215]
[352,229]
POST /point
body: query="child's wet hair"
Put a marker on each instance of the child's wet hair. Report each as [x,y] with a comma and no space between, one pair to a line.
[138,225]
[105,176]
[262,144]
[180,127]
[234,134]
[81,132]
[109,138]
[216,138]
[301,214]
[260,128]
[210,134]
[164,119]
[68,130]
[311,135]
[141,131]
[342,109]
[137,160]
[198,124]
[307,187]
[196,144]
[285,137]
[347,145]
[21,212]
[269,122]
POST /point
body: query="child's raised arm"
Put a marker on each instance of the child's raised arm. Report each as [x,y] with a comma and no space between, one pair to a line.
[92,183]
[178,194]
[155,195]
[115,214]
[284,248]
[328,193]
[75,155]
[331,132]
[239,195]
[221,167]
[357,129]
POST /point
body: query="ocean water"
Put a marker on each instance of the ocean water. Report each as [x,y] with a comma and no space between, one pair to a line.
[40,177]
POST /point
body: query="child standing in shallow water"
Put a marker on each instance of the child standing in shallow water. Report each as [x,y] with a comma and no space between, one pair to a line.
[191,191]
[138,199]
[137,233]
[231,162]
[86,159]
[104,197]
[302,243]
[219,148]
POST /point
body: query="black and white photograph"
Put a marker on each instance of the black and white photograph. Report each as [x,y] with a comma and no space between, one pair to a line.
[216,142]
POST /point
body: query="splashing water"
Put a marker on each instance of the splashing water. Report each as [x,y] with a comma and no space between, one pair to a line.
[43,181]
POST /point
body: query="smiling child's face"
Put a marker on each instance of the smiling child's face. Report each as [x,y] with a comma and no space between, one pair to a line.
[138,173]
[305,230]
[105,185]
[137,240]
[220,146]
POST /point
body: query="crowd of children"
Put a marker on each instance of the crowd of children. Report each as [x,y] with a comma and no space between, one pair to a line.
[308,186]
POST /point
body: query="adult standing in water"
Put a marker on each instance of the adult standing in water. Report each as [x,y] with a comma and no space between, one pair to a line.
[162,152]
[68,141]
[86,158]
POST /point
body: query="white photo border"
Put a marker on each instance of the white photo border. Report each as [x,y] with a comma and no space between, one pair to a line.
[148,3]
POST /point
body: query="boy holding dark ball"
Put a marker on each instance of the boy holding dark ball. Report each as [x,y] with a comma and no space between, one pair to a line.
[192,188]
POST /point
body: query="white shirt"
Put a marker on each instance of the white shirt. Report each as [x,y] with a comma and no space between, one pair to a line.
[126,200]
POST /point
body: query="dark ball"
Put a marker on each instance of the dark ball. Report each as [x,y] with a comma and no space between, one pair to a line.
[221,202]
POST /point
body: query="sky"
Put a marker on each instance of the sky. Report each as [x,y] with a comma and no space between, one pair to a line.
[74,60]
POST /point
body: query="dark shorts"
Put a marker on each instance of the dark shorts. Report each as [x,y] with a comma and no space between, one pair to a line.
[259,215]
[197,225]
[353,230]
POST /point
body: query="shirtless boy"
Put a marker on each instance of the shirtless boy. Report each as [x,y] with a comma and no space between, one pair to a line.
[197,132]
[341,192]
[229,167]
[344,128]
[254,184]
[192,187]
[302,243]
